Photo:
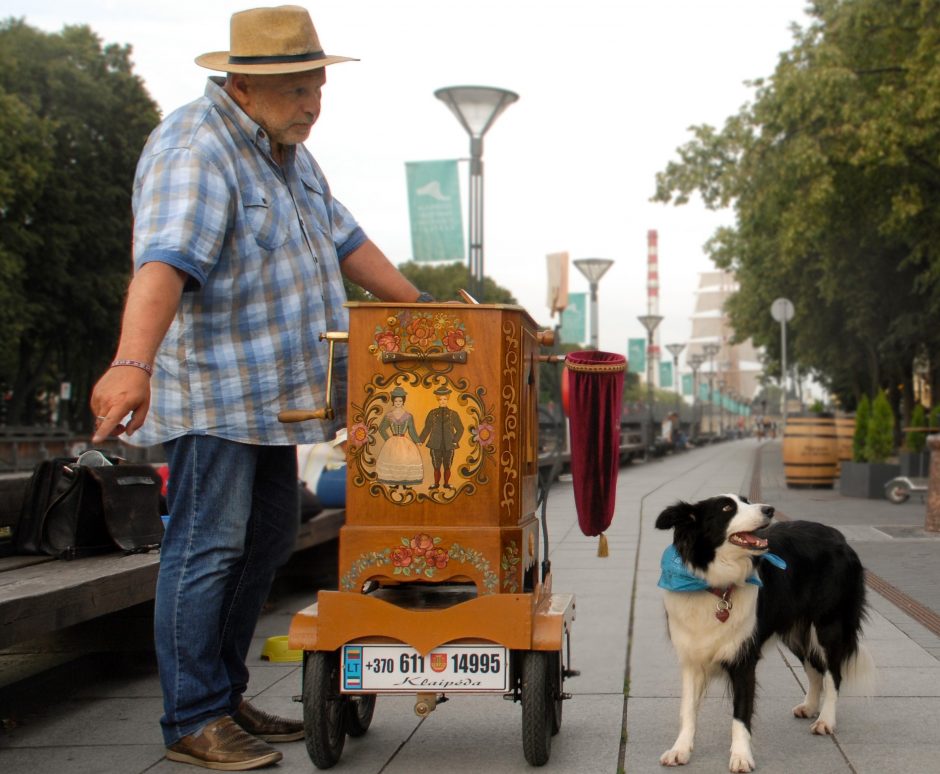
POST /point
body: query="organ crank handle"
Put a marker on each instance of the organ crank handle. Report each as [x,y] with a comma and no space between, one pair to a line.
[301,415]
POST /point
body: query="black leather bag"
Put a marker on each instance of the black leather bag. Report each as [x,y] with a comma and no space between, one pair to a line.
[72,510]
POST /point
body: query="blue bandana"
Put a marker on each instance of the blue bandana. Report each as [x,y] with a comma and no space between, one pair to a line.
[676,576]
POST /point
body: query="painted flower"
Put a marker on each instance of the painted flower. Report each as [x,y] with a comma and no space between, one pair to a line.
[436,557]
[402,557]
[358,434]
[421,331]
[484,434]
[421,544]
[455,340]
[387,341]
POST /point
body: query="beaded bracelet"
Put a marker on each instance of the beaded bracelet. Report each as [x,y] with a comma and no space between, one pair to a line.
[136,364]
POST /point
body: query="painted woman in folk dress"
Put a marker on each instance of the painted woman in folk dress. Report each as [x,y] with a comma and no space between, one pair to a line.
[399,462]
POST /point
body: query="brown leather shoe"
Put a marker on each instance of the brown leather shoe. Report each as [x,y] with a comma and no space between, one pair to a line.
[224,746]
[266,726]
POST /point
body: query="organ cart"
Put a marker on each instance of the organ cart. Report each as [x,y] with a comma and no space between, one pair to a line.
[444,583]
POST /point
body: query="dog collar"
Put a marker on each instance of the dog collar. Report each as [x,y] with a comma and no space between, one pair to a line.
[676,576]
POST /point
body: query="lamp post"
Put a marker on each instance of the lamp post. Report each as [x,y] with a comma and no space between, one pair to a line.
[675,350]
[710,350]
[782,311]
[721,407]
[649,321]
[695,362]
[593,269]
[476,108]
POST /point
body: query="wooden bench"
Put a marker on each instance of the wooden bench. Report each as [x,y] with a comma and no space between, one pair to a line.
[40,595]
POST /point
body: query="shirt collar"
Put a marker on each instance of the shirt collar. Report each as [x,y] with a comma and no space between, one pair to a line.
[218,96]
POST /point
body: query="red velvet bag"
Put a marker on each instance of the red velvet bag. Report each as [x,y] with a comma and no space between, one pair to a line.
[594,397]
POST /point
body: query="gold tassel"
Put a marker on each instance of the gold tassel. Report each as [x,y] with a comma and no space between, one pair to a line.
[602,546]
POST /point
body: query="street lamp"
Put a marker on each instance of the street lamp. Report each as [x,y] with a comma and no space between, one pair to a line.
[476,107]
[710,350]
[649,321]
[675,350]
[782,311]
[721,407]
[695,362]
[593,269]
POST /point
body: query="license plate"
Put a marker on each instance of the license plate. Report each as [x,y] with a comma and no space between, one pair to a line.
[387,668]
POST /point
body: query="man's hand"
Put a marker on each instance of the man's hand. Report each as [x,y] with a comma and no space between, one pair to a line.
[121,391]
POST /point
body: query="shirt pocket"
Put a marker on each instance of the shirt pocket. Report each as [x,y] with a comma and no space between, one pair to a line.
[267,221]
[316,203]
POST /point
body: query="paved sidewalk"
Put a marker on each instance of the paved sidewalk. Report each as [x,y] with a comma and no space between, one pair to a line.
[624,711]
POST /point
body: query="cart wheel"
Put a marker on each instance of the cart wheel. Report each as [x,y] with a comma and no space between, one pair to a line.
[898,494]
[359,711]
[324,709]
[537,706]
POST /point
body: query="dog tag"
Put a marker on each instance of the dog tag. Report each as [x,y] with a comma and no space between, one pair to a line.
[723,609]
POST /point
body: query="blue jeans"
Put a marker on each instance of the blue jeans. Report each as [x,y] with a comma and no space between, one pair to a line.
[234,514]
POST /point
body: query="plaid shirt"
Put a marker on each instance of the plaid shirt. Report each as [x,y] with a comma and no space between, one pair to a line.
[262,247]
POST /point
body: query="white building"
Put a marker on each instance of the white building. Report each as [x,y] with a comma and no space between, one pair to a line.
[737,366]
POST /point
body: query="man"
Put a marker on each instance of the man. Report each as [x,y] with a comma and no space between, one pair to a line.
[239,253]
[442,431]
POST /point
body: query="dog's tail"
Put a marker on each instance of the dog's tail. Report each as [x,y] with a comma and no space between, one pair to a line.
[859,673]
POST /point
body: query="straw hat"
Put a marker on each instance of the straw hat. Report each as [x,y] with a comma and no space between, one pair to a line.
[270,41]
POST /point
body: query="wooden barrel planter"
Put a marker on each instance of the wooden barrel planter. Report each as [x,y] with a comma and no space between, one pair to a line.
[810,452]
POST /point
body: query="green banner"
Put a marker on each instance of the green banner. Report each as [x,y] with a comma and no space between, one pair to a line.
[434,206]
[574,318]
[665,375]
[636,356]
[686,384]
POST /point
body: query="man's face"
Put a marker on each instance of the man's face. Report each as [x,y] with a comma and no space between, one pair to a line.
[442,401]
[285,106]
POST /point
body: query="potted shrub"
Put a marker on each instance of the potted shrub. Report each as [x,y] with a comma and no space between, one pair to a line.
[869,471]
[915,459]
[862,415]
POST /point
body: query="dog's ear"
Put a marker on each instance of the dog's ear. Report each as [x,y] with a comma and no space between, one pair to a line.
[676,516]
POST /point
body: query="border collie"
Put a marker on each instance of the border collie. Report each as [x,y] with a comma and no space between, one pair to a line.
[723,602]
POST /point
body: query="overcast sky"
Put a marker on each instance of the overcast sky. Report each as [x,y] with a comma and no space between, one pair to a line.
[608,89]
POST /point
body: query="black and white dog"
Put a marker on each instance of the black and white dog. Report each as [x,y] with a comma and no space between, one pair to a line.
[723,603]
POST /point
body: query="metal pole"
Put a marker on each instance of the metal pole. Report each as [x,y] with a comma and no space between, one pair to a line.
[649,390]
[783,368]
[594,316]
[475,236]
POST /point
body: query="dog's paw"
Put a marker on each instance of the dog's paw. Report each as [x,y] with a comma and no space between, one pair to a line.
[804,711]
[676,756]
[823,727]
[741,762]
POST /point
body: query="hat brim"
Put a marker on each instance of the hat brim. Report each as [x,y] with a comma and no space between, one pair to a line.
[219,60]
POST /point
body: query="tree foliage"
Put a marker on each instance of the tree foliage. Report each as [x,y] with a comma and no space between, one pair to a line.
[880,440]
[73,120]
[443,281]
[916,441]
[833,172]
[860,436]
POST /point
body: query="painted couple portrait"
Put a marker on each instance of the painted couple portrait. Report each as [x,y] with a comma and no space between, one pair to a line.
[400,462]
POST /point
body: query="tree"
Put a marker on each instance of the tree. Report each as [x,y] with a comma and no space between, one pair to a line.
[832,172]
[73,120]
[442,281]
[915,441]
[879,443]
[862,418]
